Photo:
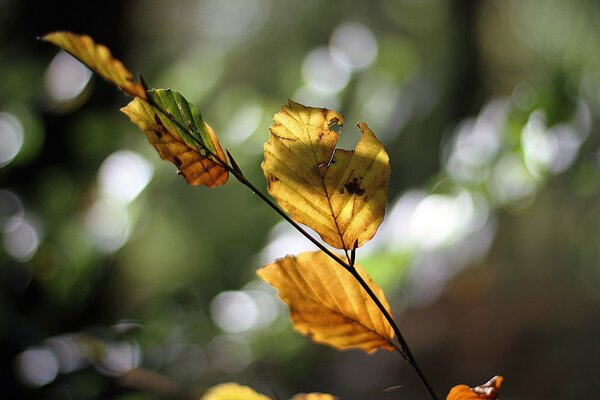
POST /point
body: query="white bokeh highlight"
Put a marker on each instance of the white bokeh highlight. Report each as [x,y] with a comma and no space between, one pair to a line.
[123,175]
[353,46]
[65,78]
[12,137]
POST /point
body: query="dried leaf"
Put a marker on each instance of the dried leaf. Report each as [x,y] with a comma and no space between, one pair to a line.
[328,304]
[313,396]
[341,194]
[232,391]
[487,391]
[98,58]
[186,148]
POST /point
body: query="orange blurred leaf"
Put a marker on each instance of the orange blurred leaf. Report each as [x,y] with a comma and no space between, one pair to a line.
[98,58]
[328,304]
[487,391]
[186,148]
[341,194]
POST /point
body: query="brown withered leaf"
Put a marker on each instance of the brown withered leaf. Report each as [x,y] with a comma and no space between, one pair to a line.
[328,304]
[98,58]
[487,391]
[341,194]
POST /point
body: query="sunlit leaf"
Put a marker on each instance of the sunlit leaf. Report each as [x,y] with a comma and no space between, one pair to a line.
[232,391]
[328,304]
[487,391]
[180,136]
[98,58]
[313,396]
[341,194]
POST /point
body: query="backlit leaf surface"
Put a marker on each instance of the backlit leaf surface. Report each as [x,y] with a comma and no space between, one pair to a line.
[341,194]
[98,58]
[328,304]
[487,391]
[232,391]
[180,136]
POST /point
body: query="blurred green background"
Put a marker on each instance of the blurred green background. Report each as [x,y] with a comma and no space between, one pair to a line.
[119,281]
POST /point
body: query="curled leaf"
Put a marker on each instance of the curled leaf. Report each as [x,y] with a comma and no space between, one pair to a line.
[487,391]
[341,194]
[98,58]
[232,391]
[328,304]
[177,132]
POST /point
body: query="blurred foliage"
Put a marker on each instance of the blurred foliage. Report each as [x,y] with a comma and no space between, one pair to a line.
[113,269]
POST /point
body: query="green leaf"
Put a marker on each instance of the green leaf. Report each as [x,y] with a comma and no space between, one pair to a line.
[176,130]
[186,115]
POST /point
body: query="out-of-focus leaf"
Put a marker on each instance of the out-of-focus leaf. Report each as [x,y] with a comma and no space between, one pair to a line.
[487,391]
[180,136]
[98,58]
[232,391]
[313,396]
[328,304]
[341,194]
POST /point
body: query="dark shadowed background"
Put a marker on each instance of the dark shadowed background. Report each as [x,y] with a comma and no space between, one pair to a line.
[118,281]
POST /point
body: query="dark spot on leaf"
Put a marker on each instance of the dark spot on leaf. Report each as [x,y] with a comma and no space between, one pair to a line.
[158,120]
[341,191]
[158,133]
[354,187]
[274,179]
[177,161]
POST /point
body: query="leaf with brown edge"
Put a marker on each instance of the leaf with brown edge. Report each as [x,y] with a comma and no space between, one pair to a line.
[328,304]
[98,58]
[341,194]
[487,391]
[232,391]
[186,148]
[313,396]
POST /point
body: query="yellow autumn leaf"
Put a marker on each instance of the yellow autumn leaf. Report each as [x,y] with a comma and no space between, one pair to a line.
[328,304]
[313,396]
[178,145]
[98,58]
[487,391]
[232,391]
[341,194]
